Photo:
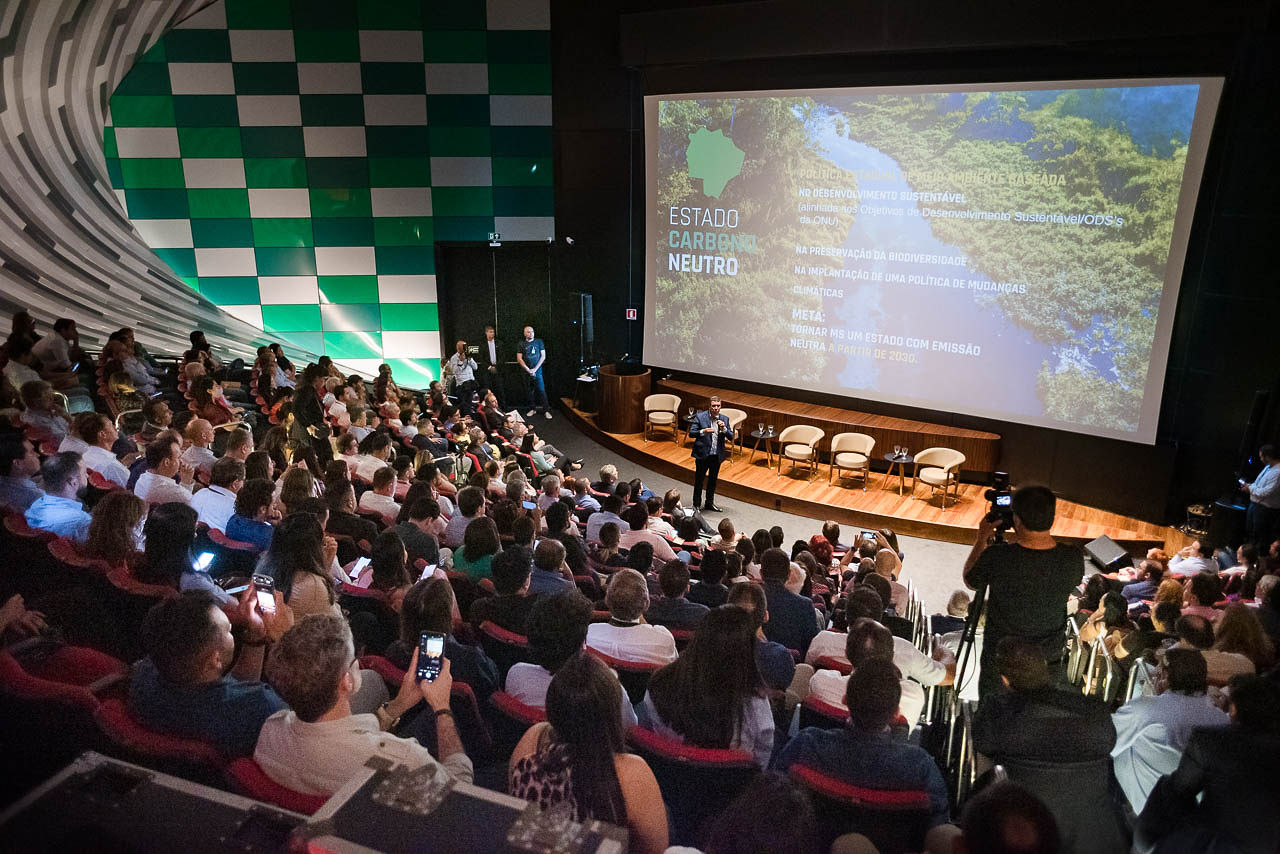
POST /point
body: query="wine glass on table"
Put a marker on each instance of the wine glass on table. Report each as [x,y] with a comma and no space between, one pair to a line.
[897,451]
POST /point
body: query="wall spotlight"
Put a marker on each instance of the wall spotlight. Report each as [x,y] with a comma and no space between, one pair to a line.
[569,240]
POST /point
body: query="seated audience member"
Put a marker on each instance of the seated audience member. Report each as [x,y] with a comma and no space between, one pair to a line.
[777,667]
[510,607]
[1152,732]
[868,641]
[1223,794]
[557,630]
[607,553]
[299,560]
[343,519]
[1005,818]
[610,505]
[1151,632]
[1151,573]
[318,744]
[1199,593]
[59,510]
[1194,559]
[164,462]
[863,752]
[771,814]
[115,532]
[479,545]
[626,636]
[750,567]
[239,445]
[156,418]
[726,537]
[888,566]
[560,526]
[712,695]
[216,503]
[792,619]
[655,522]
[199,454]
[900,626]
[1041,734]
[375,450]
[582,497]
[524,531]
[863,601]
[1195,632]
[43,414]
[673,609]
[187,685]
[100,436]
[578,757]
[416,532]
[253,510]
[710,589]
[389,570]
[168,534]
[296,485]
[428,607]
[19,462]
[550,574]
[636,517]
[1240,632]
[954,619]
[470,508]
[380,499]
[1110,622]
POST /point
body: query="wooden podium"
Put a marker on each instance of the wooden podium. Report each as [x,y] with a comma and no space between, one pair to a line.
[621,400]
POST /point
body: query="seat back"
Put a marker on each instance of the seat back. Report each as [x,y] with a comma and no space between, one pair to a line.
[944,458]
[662,403]
[895,820]
[248,776]
[633,675]
[830,662]
[735,416]
[697,783]
[509,719]
[801,434]
[504,647]
[858,443]
[1077,793]
[824,715]
[170,753]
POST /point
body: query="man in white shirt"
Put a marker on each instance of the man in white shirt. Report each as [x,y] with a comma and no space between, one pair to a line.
[1152,732]
[18,369]
[380,497]
[655,522]
[940,669]
[58,510]
[627,637]
[470,506]
[637,517]
[379,453]
[318,744]
[868,640]
[1262,519]
[164,461]
[551,492]
[463,368]
[1197,557]
[216,504]
[54,351]
[74,441]
[101,436]
[239,444]
[199,454]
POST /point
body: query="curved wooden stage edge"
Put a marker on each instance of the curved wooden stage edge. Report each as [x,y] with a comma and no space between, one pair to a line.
[912,513]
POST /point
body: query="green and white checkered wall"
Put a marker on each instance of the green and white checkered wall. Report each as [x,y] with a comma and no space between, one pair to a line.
[296,162]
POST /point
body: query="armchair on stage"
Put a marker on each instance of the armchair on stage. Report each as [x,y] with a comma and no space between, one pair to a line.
[737,417]
[939,468]
[799,443]
[662,410]
[851,452]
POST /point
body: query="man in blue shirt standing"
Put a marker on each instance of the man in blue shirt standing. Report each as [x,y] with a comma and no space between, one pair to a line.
[531,354]
[1263,516]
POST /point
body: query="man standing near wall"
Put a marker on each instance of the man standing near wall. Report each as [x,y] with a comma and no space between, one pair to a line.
[531,355]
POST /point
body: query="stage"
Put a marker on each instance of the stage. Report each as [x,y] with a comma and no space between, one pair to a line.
[745,479]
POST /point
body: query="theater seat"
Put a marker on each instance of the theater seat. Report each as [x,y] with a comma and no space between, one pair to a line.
[634,675]
[799,443]
[895,820]
[830,662]
[247,776]
[171,753]
[504,647]
[662,410]
[697,783]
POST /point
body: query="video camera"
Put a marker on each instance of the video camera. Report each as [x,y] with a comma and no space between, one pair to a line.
[1000,495]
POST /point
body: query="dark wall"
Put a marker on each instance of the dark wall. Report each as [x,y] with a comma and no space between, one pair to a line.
[606,56]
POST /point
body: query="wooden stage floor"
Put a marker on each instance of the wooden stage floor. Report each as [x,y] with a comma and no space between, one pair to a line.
[880,505]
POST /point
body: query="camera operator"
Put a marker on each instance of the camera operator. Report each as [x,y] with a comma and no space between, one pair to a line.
[1028,580]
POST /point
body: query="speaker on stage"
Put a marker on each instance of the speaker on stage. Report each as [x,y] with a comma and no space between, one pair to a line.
[1107,555]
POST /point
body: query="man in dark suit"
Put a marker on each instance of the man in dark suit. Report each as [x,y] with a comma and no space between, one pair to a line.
[711,434]
[490,361]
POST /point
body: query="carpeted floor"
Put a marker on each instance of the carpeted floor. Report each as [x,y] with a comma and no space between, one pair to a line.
[934,567]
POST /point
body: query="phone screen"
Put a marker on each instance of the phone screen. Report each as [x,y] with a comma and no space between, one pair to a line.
[202,561]
[868,535]
[266,588]
[430,653]
[528,505]
[360,565]
[427,571]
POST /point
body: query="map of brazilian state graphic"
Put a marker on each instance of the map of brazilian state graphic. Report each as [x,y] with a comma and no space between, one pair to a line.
[715,159]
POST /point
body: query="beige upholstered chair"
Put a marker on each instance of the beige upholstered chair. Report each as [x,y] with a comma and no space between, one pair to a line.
[799,443]
[940,469]
[737,418]
[851,452]
[662,410]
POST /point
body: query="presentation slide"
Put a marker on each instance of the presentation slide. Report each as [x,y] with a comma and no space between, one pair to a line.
[1011,251]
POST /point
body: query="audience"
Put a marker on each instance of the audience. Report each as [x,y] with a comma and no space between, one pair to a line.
[100,437]
[216,504]
[550,574]
[164,462]
[510,608]
[58,510]
[319,743]
[299,559]
[1005,818]
[1196,632]
[710,589]
[627,637]
[19,463]
[250,523]
[479,545]
[417,531]
[793,622]
[673,609]
[115,528]
[428,607]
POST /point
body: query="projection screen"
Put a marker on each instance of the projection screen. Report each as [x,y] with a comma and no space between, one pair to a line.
[1011,251]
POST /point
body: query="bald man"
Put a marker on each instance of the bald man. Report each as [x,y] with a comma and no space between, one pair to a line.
[199,440]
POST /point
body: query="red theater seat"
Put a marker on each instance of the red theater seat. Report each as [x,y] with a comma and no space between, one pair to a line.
[247,776]
[895,820]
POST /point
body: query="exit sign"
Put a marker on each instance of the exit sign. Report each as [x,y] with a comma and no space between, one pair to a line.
[631,314]
[494,235]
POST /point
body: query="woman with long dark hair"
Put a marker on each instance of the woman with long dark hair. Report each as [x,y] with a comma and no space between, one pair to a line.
[115,531]
[299,561]
[578,757]
[712,695]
